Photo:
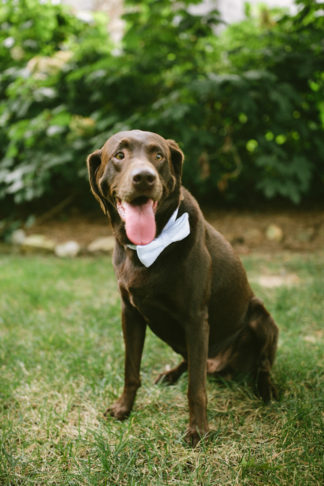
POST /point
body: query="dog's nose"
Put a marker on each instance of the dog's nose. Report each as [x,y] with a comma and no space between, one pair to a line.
[143,177]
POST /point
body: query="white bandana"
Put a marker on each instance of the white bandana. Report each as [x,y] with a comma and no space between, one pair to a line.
[174,230]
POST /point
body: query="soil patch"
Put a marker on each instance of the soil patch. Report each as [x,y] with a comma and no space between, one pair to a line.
[294,230]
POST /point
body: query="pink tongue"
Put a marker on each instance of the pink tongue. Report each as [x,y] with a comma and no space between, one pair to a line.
[140,222]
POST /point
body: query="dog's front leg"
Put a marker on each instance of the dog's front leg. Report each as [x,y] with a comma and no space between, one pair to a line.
[134,328]
[197,349]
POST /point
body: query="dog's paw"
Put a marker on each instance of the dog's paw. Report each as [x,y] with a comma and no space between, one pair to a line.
[170,377]
[118,411]
[167,378]
[265,389]
[193,436]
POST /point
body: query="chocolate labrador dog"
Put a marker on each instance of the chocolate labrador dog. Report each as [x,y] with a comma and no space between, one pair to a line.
[177,275]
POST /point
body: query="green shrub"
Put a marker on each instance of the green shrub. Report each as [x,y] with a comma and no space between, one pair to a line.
[246,105]
[43,133]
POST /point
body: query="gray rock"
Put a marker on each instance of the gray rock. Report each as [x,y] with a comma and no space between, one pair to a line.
[38,243]
[69,249]
[274,233]
[102,245]
[18,237]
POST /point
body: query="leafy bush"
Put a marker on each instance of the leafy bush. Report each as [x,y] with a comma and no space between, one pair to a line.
[246,105]
[41,133]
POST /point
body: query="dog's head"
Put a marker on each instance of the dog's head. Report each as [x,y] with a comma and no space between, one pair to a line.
[136,177]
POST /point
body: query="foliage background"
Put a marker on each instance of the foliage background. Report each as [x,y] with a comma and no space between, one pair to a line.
[246,104]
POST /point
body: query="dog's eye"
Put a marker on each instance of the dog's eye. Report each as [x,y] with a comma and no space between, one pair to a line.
[120,156]
[159,156]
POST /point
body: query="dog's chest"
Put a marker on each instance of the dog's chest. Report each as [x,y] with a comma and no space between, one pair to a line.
[156,300]
[151,298]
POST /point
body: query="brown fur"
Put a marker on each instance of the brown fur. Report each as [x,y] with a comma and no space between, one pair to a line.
[195,296]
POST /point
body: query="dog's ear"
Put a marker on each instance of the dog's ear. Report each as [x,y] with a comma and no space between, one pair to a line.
[93,163]
[176,157]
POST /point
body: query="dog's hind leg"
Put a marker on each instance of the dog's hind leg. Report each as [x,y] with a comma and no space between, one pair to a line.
[252,353]
[267,336]
[171,376]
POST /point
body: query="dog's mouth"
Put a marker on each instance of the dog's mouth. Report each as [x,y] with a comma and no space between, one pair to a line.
[139,218]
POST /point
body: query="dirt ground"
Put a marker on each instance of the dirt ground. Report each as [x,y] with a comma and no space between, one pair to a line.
[268,230]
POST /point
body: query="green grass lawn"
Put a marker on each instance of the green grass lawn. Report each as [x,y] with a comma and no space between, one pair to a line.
[61,364]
